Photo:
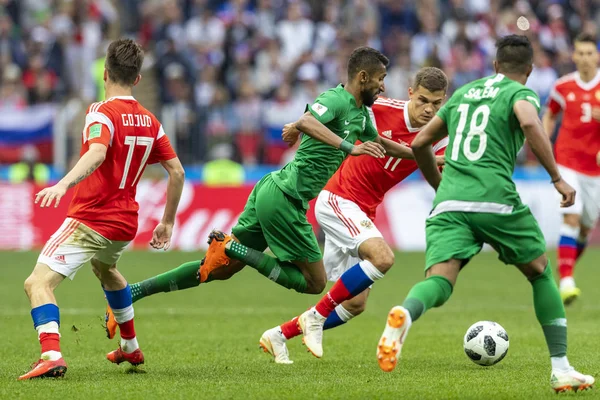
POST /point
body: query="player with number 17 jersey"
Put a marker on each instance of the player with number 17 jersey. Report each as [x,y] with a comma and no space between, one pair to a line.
[105,201]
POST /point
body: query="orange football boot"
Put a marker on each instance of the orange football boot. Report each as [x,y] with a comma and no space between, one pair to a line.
[110,323]
[118,356]
[46,369]
[215,255]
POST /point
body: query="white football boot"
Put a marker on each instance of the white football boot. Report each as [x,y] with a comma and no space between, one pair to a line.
[570,380]
[273,342]
[311,323]
[390,345]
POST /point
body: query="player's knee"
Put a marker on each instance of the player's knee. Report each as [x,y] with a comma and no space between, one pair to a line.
[572,220]
[383,260]
[34,283]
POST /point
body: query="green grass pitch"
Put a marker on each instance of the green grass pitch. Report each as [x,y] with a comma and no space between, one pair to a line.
[203,342]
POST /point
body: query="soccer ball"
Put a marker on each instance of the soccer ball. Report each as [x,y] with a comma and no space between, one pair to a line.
[486,343]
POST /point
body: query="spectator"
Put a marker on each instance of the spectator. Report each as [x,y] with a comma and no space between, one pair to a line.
[296,34]
[12,91]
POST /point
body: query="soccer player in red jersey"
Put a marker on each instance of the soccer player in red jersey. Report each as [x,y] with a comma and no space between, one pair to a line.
[119,139]
[355,253]
[577,148]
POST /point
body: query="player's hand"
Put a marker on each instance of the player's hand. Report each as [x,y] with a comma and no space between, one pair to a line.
[567,192]
[368,148]
[290,134]
[161,237]
[596,113]
[50,194]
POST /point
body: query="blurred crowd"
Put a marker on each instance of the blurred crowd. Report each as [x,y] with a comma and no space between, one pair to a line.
[224,76]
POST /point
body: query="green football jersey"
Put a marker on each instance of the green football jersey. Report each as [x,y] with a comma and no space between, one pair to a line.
[484,139]
[315,162]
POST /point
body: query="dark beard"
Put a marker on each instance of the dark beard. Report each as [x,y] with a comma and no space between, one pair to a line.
[367,98]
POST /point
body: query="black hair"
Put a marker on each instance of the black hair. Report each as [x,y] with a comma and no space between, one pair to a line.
[514,54]
[367,59]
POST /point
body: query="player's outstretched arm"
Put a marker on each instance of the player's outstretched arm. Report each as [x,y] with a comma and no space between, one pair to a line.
[86,165]
[309,125]
[161,237]
[395,149]
[540,146]
[423,151]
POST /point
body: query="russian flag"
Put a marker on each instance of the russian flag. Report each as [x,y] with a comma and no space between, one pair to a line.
[30,126]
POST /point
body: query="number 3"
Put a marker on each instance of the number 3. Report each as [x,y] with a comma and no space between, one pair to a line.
[586,112]
[132,141]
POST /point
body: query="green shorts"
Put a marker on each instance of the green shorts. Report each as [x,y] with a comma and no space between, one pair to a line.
[273,219]
[460,235]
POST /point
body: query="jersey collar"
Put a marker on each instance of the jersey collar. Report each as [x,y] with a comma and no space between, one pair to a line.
[122,98]
[407,119]
[347,94]
[587,85]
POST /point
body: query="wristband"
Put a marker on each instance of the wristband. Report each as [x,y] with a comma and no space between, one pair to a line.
[556,180]
[346,147]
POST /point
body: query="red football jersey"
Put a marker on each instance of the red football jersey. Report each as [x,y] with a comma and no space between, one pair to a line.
[105,201]
[365,180]
[578,140]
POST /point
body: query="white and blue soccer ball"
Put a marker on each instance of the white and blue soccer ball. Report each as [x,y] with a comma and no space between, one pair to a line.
[486,343]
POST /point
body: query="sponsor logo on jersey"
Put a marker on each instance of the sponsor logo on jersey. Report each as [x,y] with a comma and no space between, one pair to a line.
[346,122]
[366,223]
[319,109]
[387,134]
[60,258]
[571,97]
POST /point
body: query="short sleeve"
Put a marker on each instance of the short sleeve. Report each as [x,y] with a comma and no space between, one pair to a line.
[556,101]
[370,132]
[443,112]
[527,95]
[162,150]
[440,147]
[327,107]
[98,128]
[98,133]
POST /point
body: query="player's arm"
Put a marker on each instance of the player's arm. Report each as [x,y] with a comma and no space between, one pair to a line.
[163,152]
[422,147]
[540,145]
[86,165]
[312,127]
[395,149]
[549,121]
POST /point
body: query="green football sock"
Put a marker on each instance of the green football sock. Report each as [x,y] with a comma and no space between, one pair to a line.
[550,312]
[432,292]
[183,277]
[283,273]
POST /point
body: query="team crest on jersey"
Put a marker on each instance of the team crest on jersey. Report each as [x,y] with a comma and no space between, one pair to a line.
[387,134]
[366,224]
[571,97]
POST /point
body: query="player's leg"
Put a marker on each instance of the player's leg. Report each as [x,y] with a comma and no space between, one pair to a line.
[551,315]
[519,241]
[569,234]
[118,296]
[61,257]
[450,244]
[281,222]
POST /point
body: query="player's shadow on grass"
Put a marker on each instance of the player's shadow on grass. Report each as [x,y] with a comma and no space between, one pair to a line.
[135,370]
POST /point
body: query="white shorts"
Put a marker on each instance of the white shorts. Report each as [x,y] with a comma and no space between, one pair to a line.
[346,227]
[74,244]
[587,198]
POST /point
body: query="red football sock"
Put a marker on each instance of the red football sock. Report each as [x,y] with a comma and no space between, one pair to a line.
[50,342]
[127,330]
[335,296]
[566,260]
[290,329]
